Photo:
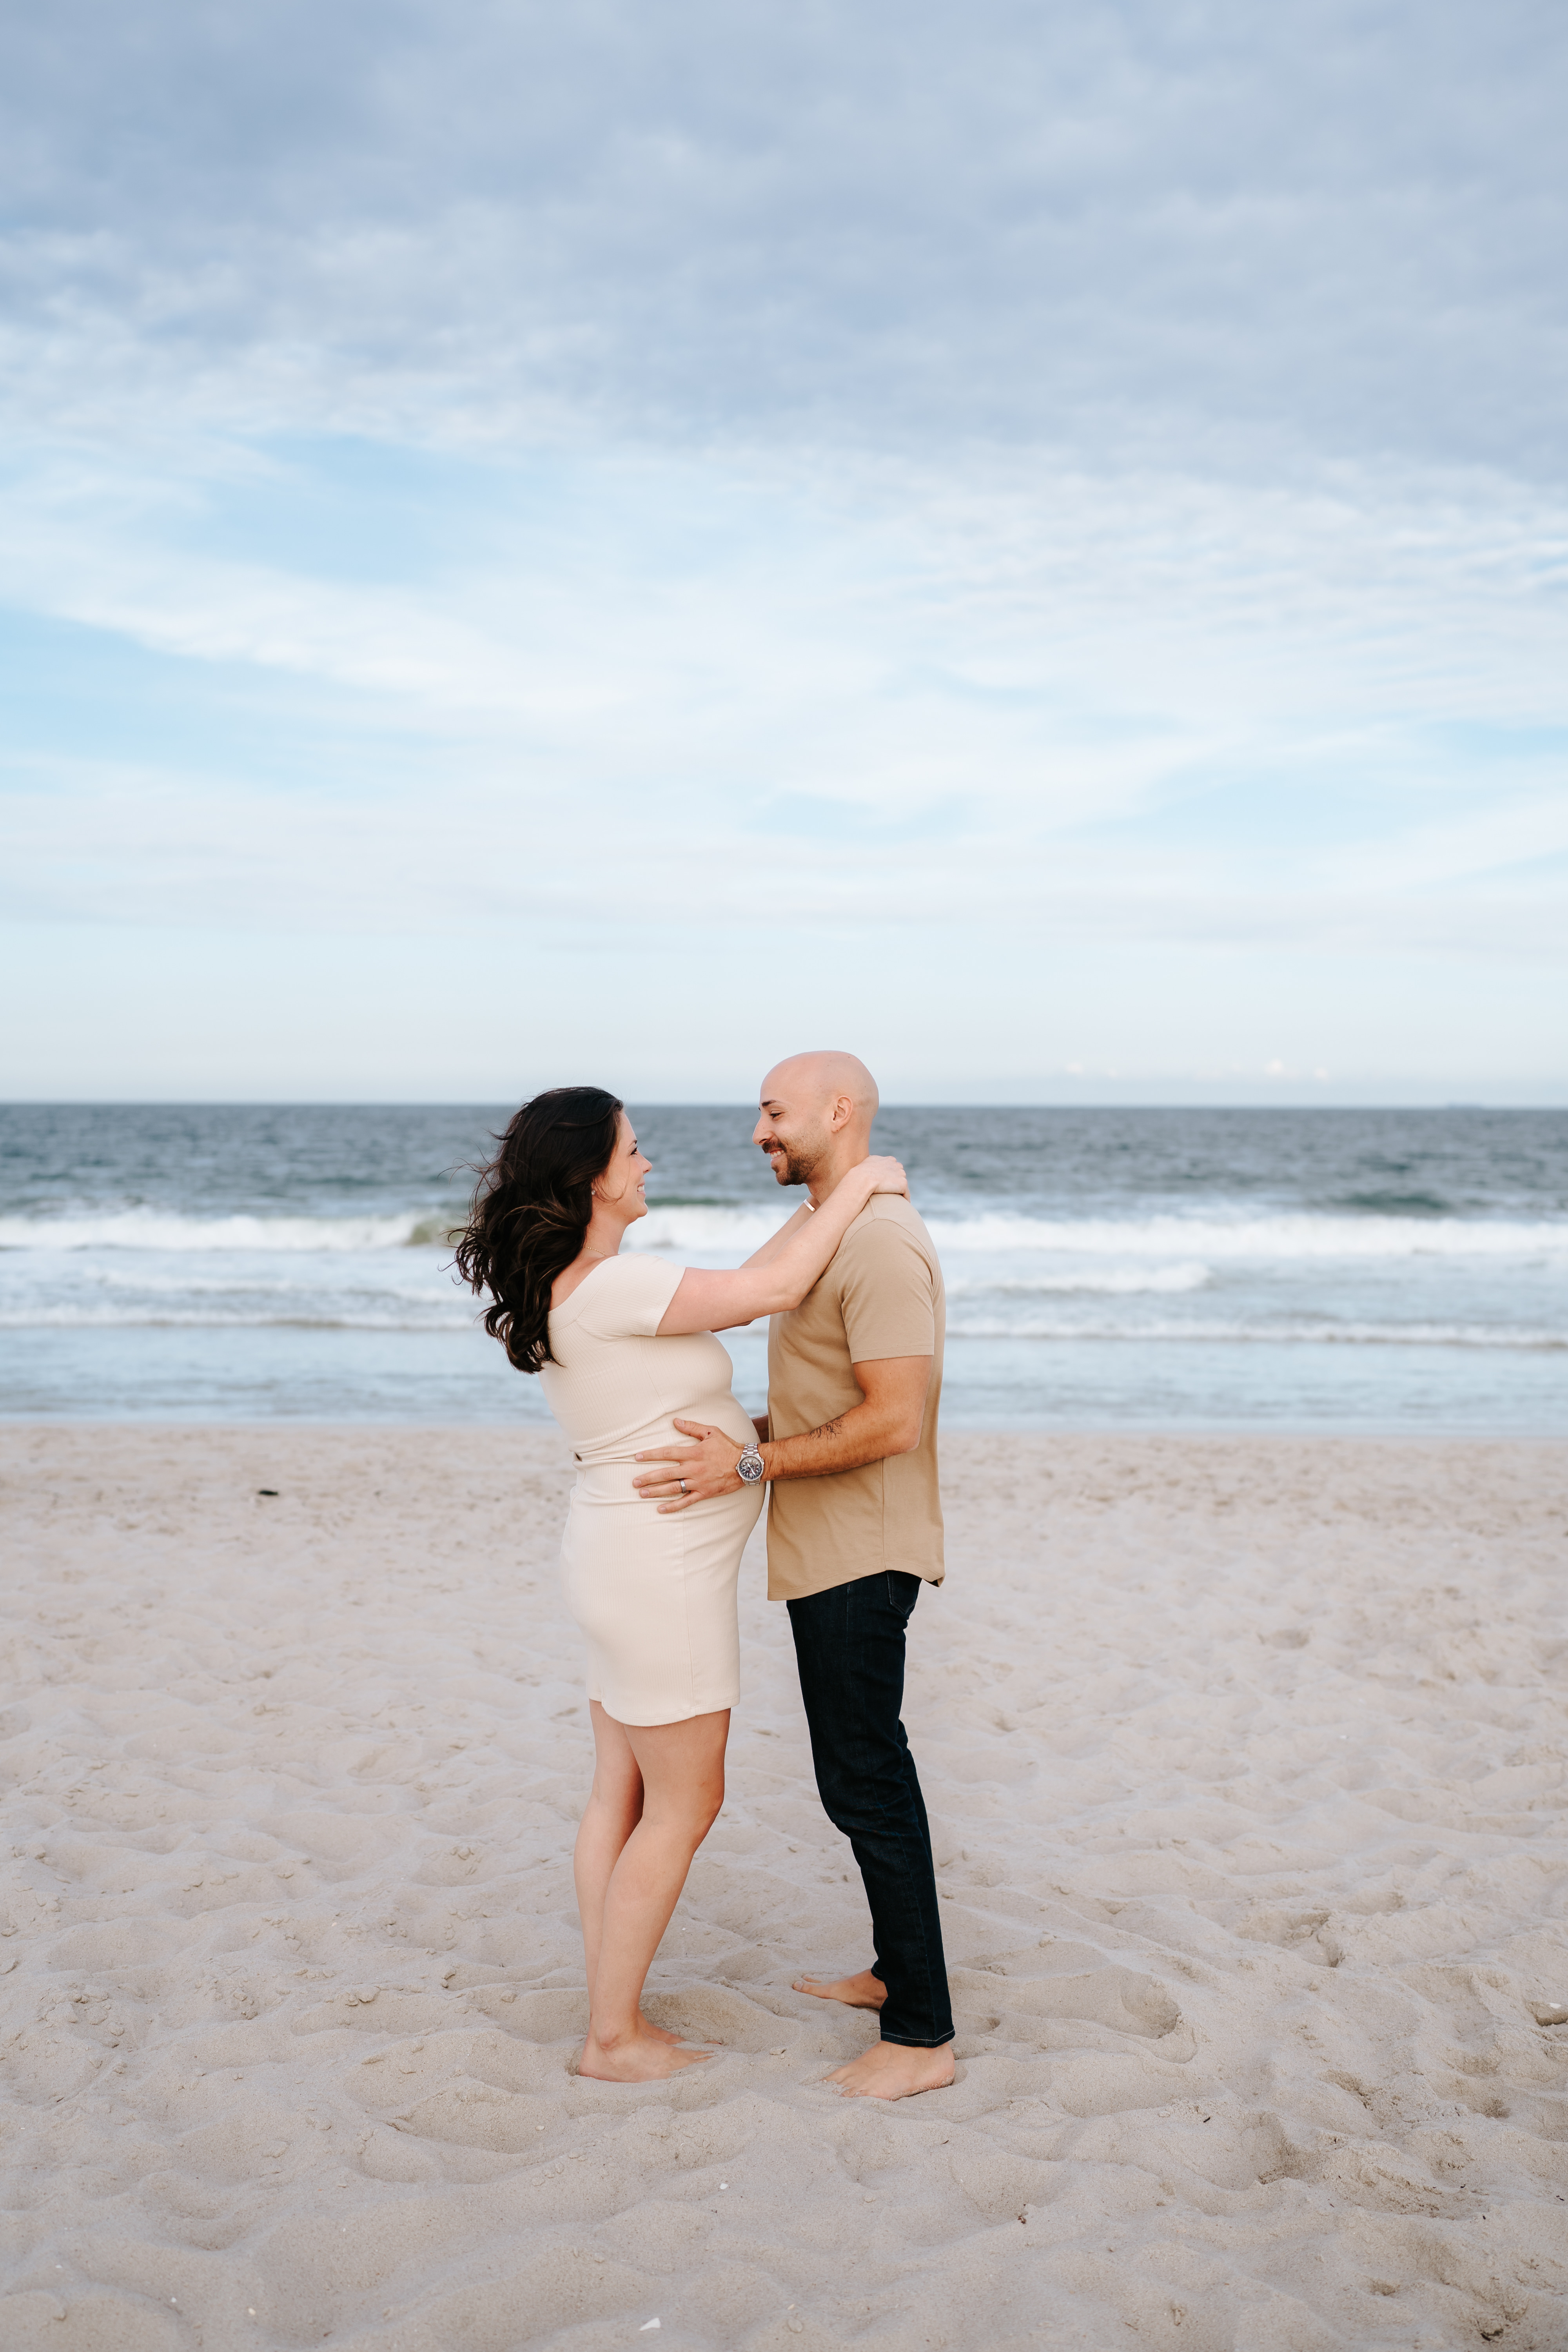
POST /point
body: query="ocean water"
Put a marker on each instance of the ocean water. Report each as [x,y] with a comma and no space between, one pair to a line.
[1395,1270]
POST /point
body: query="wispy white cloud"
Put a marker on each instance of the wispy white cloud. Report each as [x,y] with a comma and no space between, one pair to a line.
[1315,229]
[914,698]
[1096,474]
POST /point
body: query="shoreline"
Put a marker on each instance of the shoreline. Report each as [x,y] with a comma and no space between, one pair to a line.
[1244,1758]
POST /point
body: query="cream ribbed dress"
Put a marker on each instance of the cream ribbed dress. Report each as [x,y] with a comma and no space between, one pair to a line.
[654,1594]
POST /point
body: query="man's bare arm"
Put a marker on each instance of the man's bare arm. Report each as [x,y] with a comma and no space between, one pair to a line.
[887,1420]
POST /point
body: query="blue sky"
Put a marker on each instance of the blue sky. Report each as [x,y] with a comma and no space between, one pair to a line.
[1030,541]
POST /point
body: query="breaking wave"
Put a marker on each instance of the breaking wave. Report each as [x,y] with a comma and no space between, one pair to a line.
[153,1229]
[1273,1334]
[1257,1238]
[214,1319]
[735,1232]
[1114,1281]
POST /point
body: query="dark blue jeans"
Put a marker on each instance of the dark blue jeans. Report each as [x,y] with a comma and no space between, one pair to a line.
[849,1647]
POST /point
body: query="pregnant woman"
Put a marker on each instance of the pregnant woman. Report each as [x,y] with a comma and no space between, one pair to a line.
[622,1344]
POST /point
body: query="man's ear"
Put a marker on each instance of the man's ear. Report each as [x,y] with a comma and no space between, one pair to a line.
[843,1111]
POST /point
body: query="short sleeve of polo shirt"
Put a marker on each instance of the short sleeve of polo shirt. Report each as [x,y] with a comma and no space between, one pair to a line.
[886,1293]
[629,1299]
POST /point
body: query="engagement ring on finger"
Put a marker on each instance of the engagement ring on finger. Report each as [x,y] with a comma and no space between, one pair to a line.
[681,1483]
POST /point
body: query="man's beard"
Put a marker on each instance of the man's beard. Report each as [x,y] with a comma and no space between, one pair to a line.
[799,1167]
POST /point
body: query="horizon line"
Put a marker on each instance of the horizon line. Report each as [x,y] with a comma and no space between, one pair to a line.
[672,1102]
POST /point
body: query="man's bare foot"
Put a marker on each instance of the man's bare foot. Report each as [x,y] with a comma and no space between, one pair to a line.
[659,2032]
[890,2070]
[640,2058]
[864,1992]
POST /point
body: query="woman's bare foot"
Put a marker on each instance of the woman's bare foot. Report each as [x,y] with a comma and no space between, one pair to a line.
[659,2032]
[864,1992]
[890,2070]
[639,2058]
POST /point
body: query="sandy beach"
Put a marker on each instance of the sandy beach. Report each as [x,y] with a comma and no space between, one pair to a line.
[1244,1758]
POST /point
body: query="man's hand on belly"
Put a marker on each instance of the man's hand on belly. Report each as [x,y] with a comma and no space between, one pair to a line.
[691,1474]
[887,1420]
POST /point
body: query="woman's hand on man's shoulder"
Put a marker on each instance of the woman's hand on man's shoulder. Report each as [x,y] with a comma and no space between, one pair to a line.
[884,1174]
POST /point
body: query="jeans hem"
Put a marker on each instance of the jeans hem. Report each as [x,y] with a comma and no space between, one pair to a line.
[914,2042]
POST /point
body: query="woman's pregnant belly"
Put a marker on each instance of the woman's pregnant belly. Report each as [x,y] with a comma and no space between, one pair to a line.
[715,1412]
[654,1594]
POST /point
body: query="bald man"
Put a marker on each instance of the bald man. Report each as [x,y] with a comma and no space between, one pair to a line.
[848,1443]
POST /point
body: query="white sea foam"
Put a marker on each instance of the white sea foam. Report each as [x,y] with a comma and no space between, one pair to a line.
[329,1317]
[153,1229]
[736,1232]
[371,1282]
[440,1315]
[1281,1333]
[1111,1280]
[1257,1238]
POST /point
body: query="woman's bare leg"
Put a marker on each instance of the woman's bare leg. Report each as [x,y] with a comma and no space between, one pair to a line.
[681,1767]
[611,1813]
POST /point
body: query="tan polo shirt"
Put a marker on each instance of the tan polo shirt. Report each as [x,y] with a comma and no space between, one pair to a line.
[883,1296]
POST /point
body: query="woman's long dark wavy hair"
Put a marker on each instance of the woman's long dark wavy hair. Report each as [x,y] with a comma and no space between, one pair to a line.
[530,1210]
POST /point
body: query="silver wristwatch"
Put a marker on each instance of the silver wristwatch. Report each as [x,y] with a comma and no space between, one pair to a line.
[750,1465]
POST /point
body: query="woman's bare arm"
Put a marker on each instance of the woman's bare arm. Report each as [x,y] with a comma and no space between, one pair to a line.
[775,1242]
[718,1302]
